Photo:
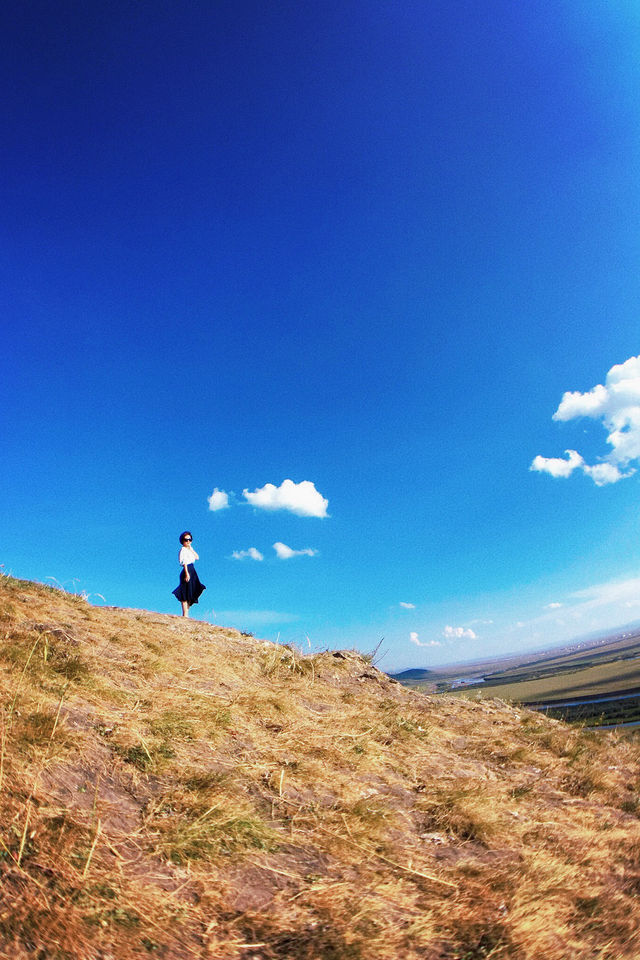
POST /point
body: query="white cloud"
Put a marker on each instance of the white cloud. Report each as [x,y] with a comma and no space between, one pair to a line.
[218,500]
[300,498]
[407,606]
[617,593]
[414,638]
[599,608]
[251,554]
[285,552]
[577,404]
[254,618]
[617,405]
[458,633]
[556,466]
[603,473]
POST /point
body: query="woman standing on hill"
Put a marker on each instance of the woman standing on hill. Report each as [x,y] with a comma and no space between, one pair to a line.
[190,587]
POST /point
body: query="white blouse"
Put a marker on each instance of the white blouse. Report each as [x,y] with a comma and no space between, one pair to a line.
[187,555]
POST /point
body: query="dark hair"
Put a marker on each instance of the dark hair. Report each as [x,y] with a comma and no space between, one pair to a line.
[185,533]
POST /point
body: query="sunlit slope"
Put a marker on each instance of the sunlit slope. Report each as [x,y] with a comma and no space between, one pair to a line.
[174,789]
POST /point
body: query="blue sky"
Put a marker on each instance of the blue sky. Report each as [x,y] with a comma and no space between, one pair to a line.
[367,247]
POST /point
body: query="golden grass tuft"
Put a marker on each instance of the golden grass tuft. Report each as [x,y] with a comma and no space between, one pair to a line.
[173,789]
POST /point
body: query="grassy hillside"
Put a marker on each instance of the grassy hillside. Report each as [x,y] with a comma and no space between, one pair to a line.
[172,789]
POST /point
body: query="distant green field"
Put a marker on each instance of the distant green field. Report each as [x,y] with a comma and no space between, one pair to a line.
[588,681]
[602,671]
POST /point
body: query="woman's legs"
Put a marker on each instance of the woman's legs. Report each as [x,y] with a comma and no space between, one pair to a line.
[185,608]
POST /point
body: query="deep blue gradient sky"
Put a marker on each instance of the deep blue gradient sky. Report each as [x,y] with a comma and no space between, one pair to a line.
[367,245]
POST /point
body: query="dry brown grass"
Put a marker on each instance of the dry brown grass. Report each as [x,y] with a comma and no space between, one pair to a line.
[175,790]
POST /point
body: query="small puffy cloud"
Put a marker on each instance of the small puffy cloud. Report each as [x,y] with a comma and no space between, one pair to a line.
[250,554]
[590,404]
[603,473]
[617,404]
[218,500]
[407,606]
[553,606]
[557,466]
[414,638]
[285,552]
[459,633]
[300,498]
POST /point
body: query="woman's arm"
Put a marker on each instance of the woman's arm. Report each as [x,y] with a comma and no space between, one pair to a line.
[182,560]
[196,555]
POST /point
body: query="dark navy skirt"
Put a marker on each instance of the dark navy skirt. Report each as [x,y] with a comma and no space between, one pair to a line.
[189,591]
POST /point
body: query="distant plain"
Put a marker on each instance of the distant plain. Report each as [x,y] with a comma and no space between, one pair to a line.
[596,682]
